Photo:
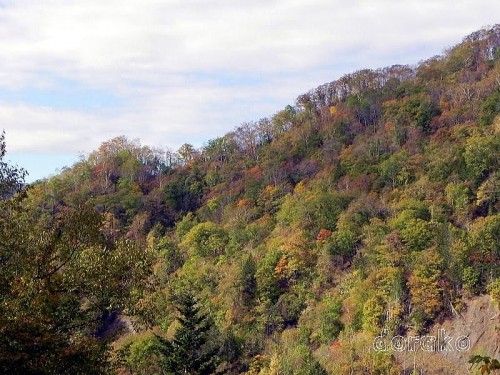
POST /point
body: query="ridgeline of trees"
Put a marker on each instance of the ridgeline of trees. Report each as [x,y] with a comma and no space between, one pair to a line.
[372,203]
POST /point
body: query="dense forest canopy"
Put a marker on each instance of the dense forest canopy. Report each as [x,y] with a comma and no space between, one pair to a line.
[371,203]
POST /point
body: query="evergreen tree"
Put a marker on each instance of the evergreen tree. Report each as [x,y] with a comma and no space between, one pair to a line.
[247,280]
[188,352]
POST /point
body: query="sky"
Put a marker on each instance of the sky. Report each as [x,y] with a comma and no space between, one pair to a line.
[74,74]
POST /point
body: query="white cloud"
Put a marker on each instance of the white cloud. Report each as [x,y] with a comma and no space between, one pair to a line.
[162,117]
[170,61]
[109,41]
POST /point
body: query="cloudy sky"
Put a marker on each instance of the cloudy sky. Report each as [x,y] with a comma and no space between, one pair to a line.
[76,73]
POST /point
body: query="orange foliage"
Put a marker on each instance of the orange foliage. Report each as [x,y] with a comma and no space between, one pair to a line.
[323,235]
[243,203]
[256,172]
[281,266]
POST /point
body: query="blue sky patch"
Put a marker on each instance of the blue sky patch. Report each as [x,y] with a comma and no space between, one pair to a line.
[62,94]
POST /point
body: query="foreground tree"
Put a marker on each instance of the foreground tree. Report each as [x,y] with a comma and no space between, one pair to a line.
[11,178]
[59,280]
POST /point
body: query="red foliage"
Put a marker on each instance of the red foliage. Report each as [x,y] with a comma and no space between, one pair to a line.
[336,345]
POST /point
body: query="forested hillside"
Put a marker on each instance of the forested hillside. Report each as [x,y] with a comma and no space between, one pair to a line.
[285,246]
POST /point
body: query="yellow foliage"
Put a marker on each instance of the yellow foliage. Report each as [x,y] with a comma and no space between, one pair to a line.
[300,188]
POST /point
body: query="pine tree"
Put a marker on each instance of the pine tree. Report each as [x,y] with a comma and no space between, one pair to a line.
[247,280]
[187,353]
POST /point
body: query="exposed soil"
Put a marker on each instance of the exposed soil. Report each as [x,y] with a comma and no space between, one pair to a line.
[475,330]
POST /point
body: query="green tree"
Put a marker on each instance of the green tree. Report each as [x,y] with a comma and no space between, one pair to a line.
[344,241]
[206,240]
[394,171]
[417,234]
[58,288]
[457,195]
[170,257]
[482,154]
[484,244]
[138,353]
[424,286]
[494,290]
[11,178]
[247,281]
[59,281]
[188,352]
[490,108]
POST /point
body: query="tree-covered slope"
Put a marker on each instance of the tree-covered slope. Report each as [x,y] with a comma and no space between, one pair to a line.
[372,203]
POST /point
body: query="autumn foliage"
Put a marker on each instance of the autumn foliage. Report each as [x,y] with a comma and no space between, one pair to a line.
[371,203]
